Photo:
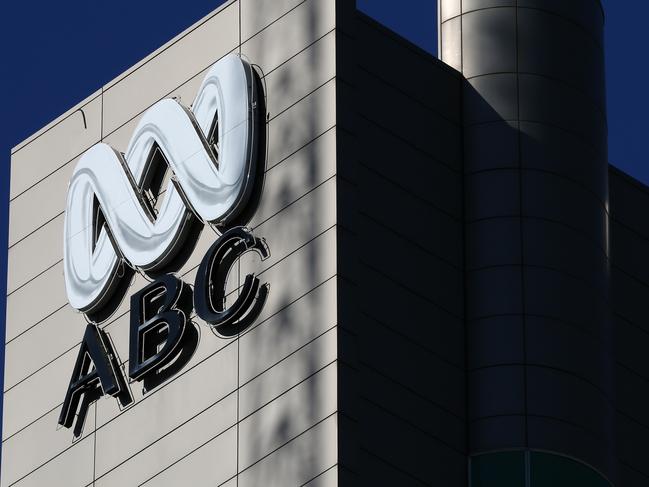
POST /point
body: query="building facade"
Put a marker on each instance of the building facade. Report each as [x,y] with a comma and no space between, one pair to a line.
[456,276]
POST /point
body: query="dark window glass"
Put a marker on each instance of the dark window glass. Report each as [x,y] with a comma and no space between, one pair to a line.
[505,469]
[549,470]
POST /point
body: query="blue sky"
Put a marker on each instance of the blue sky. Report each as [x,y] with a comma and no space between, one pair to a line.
[57,53]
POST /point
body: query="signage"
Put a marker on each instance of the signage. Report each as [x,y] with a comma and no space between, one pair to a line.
[116,224]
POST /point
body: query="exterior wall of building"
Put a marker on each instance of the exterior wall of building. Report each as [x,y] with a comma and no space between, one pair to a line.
[255,410]
[629,297]
[410,324]
[400,243]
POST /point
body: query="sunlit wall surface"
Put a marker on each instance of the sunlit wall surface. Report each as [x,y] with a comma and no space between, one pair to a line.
[256,409]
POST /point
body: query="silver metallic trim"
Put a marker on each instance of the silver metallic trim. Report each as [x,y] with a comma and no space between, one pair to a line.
[214,188]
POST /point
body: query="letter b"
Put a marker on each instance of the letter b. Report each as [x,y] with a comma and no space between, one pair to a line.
[162,339]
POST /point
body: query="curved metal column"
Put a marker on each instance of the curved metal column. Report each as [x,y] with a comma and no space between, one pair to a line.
[536,174]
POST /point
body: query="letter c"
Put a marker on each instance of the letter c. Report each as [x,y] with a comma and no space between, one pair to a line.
[211,281]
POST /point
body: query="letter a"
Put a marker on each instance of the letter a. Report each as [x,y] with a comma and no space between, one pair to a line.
[96,372]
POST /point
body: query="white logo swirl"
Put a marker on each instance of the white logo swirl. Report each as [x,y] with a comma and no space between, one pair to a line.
[214,188]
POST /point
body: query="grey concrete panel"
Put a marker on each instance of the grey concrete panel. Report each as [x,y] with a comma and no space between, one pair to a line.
[493,242]
[552,149]
[287,416]
[269,350]
[490,98]
[297,225]
[298,461]
[290,34]
[21,312]
[491,146]
[318,257]
[270,342]
[257,15]
[569,54]
[39,205]
[183,451]
[35,253]
[312,256]
[74,465]
[42,344]
[300,75]
[209,465]
[160,73]
[494,291]
[56,146]
[329,478]
[451,43]
[230,483]
[489,42]
[174,404]
[499,433]
[48,385]
[120,136]
[492,194]
[316,114]
[496,391]
[495,341]
[297,176]
[33,447]
[290,373]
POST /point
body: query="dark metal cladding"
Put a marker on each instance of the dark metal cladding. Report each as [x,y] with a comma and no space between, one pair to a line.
[537,251]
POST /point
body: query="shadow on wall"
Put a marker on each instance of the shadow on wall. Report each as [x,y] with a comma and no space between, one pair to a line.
[538,327]
[278,356]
